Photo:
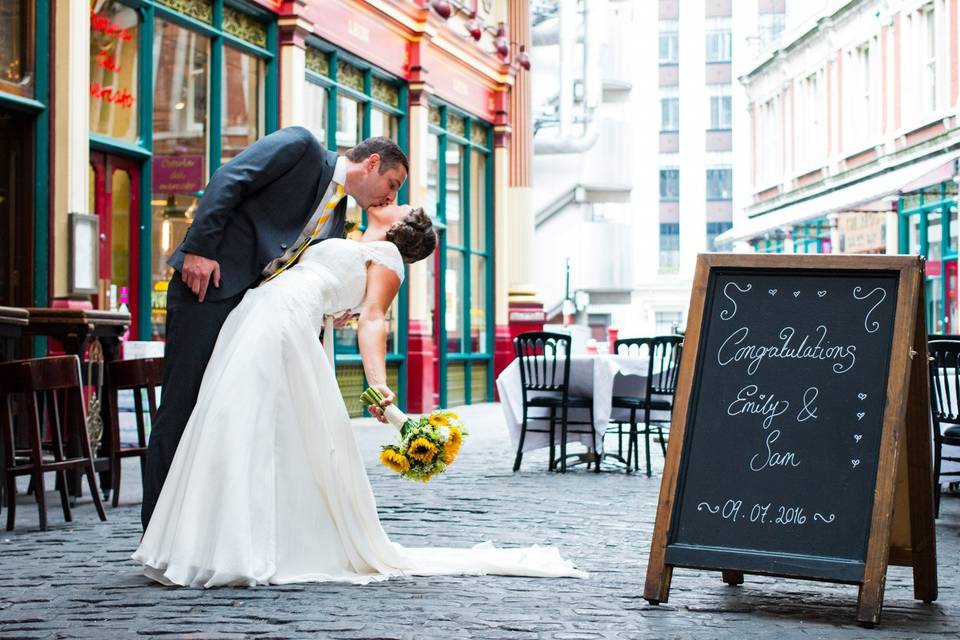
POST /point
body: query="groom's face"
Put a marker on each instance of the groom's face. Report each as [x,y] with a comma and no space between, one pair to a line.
[378,189]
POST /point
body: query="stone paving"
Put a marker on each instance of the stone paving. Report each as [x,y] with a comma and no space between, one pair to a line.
[77,581]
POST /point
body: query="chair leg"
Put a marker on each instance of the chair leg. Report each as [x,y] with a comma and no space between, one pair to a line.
[553,440]
[563,441]
[516,463]
[631,441]
[38,487]
[85,451]
[663,444]
[646,438]
[11,492]
[115,462]
[56,438]
[596,443]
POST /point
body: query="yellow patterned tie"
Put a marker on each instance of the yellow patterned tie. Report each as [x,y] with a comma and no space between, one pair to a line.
[328,211]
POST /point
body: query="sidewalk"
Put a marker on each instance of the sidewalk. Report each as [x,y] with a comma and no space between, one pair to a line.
[76,580]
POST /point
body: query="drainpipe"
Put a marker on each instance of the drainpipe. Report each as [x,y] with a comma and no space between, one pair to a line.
[566,143]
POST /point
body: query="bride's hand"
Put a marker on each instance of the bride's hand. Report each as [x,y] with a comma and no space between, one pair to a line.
[388,398]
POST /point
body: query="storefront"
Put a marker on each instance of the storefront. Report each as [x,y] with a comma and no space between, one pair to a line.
[177,88]
[24,162]
[928,227]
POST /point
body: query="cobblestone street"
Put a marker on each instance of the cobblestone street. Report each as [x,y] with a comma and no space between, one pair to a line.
[77,581]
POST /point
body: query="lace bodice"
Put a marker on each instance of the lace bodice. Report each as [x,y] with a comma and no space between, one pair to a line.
[331,277]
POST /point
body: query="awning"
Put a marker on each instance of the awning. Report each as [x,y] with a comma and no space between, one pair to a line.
[846,197]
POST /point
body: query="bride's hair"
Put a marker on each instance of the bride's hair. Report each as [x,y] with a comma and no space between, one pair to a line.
[414,236]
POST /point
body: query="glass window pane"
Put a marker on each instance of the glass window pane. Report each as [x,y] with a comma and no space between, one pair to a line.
[180,146]
[433,175]
[478,200]
[349,134]
[478,304]
[452,197]
[316,120]
[114,40]
[384,124]
[454,301]
[240,111]
[16,46]
[120,229]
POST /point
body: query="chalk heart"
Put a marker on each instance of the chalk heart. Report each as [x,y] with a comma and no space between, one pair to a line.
[858,437]
[796,294]
[860,415]
[820,294]
[862,396]
[772,292]
[855,462]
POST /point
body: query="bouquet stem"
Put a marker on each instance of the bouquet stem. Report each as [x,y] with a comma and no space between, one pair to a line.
[393,415]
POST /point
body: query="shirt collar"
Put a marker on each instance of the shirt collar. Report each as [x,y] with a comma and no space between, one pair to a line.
[340,170]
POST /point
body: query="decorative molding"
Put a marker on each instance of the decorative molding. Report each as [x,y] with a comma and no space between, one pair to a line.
[244,26]
[202,10]
[349,76]
[318,61]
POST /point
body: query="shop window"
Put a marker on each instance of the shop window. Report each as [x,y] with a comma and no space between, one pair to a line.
[315,108]
[16,46]
[179,146]
[114,95]
[241,113]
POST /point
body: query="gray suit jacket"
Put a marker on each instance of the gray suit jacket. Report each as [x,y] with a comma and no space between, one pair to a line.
[257,204]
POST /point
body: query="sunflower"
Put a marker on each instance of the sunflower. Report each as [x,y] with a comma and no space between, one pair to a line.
[422,450]
[438,420]
[394,460]
[449,454]
[455,439]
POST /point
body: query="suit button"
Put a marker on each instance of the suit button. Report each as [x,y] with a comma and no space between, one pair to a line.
[283,245]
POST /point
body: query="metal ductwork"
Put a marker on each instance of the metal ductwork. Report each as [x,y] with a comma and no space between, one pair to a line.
[566,31]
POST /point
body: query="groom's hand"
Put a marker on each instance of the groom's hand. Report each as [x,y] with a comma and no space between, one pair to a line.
[196,274]
[344,319]
[388,398]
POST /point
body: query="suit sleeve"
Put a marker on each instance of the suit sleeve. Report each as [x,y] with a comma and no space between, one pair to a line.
[257,166]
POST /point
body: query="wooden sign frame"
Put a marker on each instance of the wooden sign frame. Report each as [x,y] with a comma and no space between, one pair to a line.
[902,522]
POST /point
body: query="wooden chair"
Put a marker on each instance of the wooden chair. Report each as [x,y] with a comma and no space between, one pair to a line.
[52,394]
[139,376]
[545,380]
[944,406]
[663,367]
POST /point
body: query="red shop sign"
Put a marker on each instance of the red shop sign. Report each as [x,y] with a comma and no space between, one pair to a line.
[177,174]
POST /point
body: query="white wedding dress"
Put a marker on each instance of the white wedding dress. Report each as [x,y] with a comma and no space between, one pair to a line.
[268,485]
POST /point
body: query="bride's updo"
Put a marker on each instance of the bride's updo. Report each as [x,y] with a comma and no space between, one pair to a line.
[414,236]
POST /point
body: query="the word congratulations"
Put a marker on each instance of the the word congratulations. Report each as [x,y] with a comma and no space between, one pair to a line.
[733,350]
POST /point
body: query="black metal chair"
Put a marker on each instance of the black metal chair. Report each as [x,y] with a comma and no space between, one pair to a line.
[944,406]
[544,360]
[663,367]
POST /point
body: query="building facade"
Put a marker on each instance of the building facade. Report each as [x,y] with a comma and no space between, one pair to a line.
[637,136]
[117,112]
[854,133]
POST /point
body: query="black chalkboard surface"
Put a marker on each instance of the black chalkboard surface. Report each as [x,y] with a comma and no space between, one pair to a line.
[786,413]
[800,443]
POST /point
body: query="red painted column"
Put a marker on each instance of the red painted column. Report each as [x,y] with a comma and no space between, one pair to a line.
[421,354]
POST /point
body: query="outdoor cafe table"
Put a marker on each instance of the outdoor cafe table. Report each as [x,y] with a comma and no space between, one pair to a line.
[595,376]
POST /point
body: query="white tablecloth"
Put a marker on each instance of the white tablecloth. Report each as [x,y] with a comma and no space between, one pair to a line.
[599,377]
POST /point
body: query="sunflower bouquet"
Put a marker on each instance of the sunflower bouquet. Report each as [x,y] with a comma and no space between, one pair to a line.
[427,445]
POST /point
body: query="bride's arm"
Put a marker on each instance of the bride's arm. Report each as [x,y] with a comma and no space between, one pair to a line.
[382,287]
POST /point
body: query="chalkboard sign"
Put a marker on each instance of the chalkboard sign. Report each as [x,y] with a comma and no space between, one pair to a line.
[789,411]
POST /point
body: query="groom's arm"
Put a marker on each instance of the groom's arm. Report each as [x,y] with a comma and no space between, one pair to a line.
[382,287]
[255,167]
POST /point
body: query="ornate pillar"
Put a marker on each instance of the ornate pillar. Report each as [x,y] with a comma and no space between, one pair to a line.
[294,29]
[421,344]
[71,124]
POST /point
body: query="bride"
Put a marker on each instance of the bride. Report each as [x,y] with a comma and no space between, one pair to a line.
[268,485]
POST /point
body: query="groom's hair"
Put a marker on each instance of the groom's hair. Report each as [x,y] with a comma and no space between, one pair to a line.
[390,154]
[414,236]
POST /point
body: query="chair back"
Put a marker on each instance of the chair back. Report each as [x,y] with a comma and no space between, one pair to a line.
[544,362]
[663,364]
[141,376]
[944,380]
[49,393]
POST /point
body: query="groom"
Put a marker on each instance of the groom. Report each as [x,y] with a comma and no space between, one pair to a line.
[259,211]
